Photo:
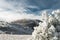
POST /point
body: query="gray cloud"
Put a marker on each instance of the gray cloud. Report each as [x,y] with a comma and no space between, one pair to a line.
[14,7]
[29,5]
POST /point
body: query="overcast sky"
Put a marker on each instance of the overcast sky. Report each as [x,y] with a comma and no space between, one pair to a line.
[29,5]
[17,9]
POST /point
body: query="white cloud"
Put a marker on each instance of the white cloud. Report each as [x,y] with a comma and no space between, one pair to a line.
[16,13]
[12,16]
[4,4]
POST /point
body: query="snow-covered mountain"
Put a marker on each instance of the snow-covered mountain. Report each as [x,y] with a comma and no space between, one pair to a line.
[24,26]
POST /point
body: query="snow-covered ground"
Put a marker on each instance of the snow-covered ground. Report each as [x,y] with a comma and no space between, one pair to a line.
[14,37]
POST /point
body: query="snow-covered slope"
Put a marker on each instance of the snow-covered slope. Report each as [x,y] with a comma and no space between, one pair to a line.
[24,26]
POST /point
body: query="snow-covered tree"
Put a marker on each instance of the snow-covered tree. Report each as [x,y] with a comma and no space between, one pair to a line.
[47,30]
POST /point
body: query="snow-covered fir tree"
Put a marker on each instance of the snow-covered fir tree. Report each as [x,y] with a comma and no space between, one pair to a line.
[49,29]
